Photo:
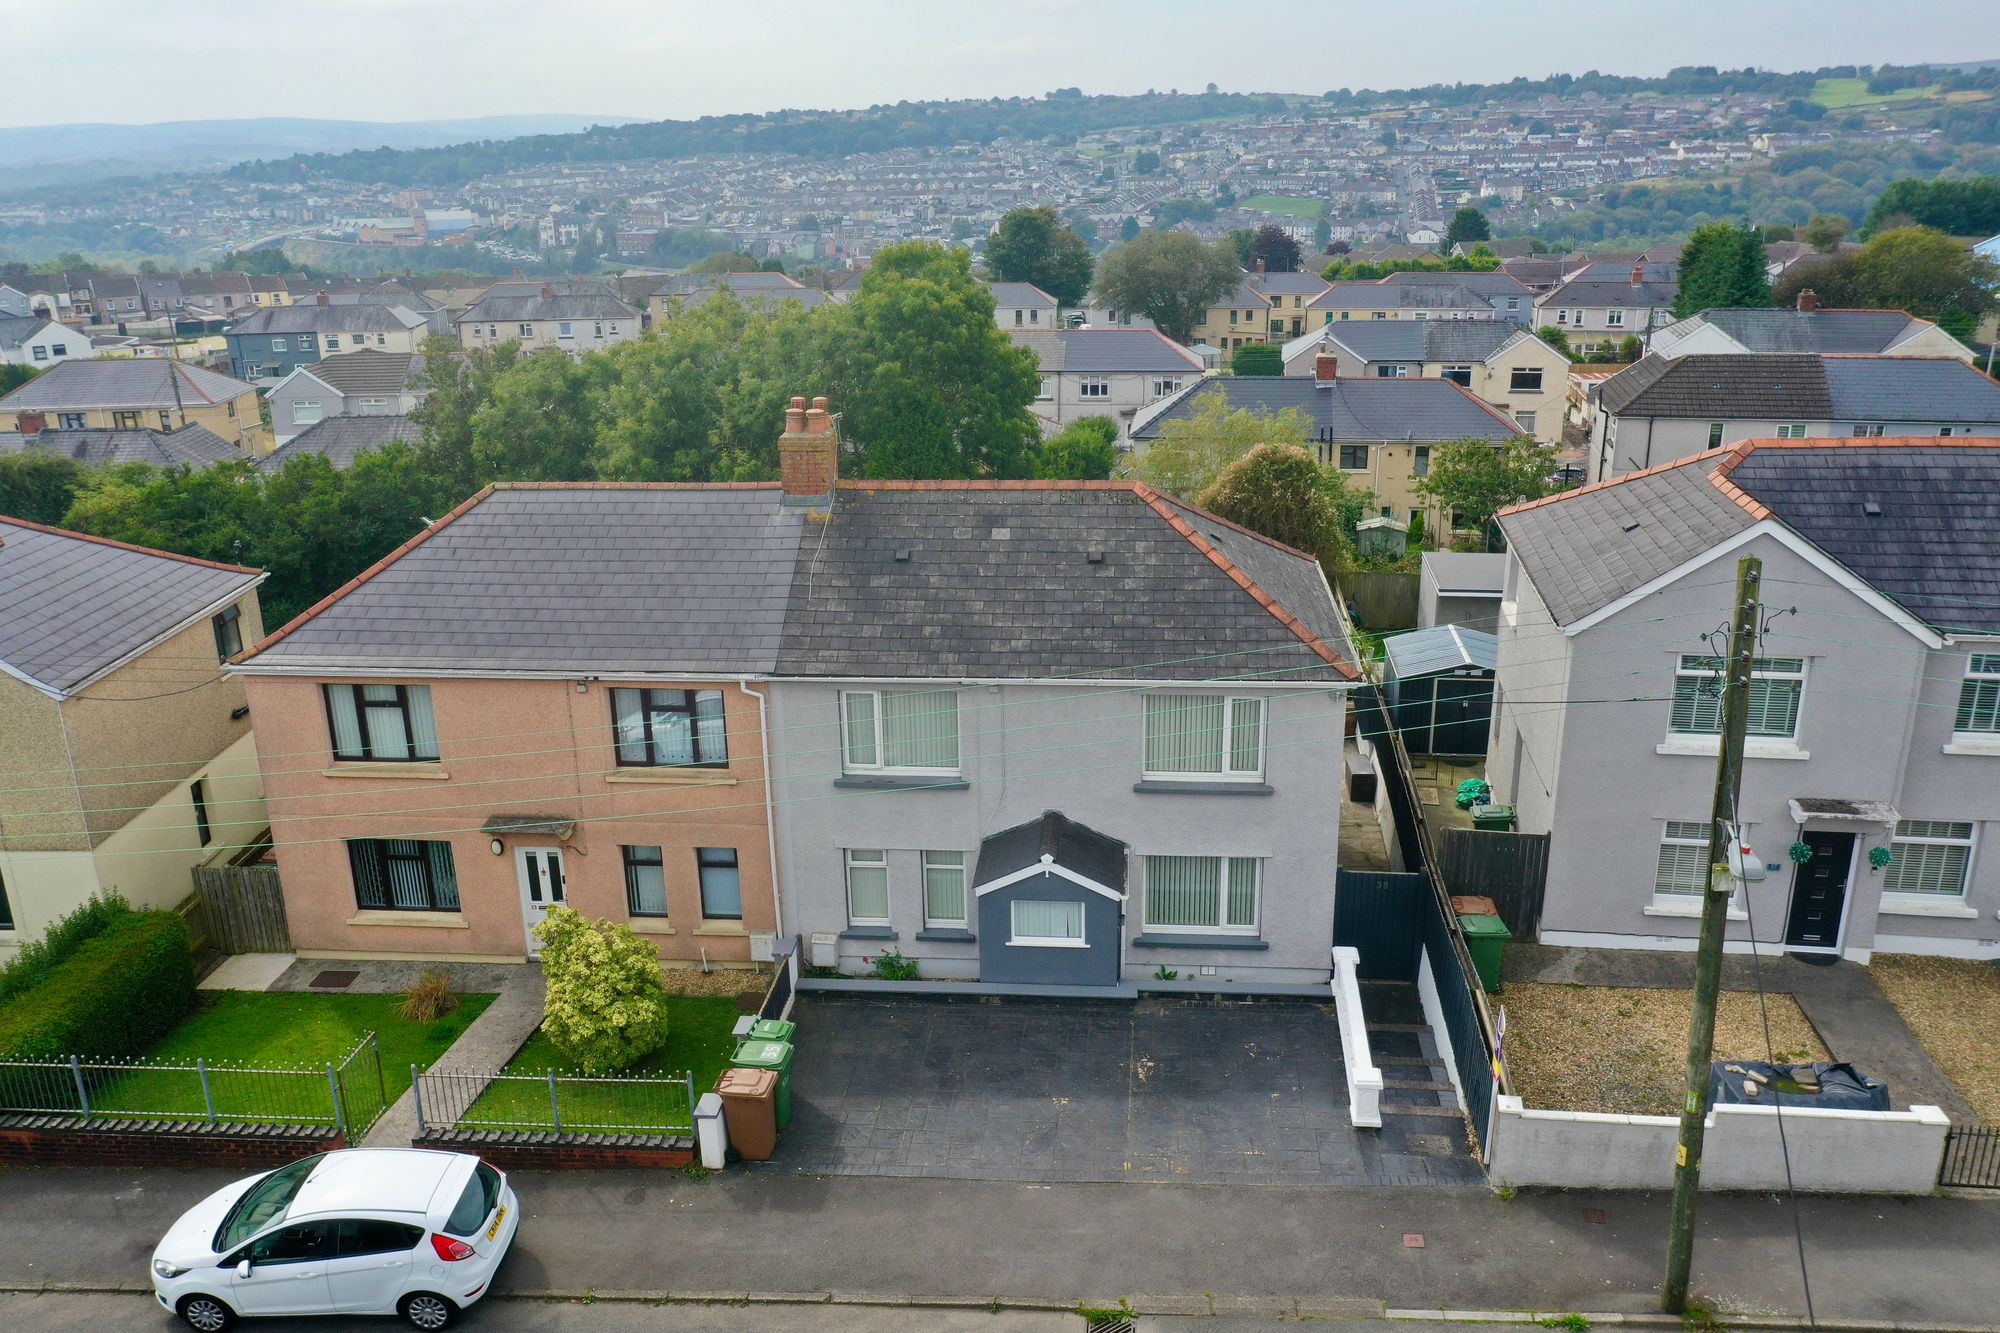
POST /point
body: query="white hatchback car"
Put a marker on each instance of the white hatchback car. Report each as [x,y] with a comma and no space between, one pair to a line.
[359,1231]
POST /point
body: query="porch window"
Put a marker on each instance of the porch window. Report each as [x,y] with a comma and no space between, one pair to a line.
[1931,857]
[721,883]
[1683,868]
[1196,736]
[1202,893]
[1979,697]
[669,728]
[1777,684]
[645,881]
[867,887]
[386,723]
[903,731]
[944,889]
[1047,925]
[399,874]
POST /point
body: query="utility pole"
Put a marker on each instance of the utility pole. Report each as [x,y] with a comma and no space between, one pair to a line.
[1741,652]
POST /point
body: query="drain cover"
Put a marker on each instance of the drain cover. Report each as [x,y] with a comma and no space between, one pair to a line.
[336,979]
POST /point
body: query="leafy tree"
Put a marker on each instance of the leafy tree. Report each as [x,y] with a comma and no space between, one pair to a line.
[1825,231]
[1474,479]
[1722,267]
[13,377]
[661,397]
[1917,269]
[457,383]
[1274,489]
[37,485]
[1323,236]
[1556,338]
[1467,224]
[1242,244]
[1035,245]
[1274,248]
[1171,277]
[1257,359]
[1777,231]
[1170,211]
[1128,229]
[1955,207]
[1145,162]
[1630,348]
[1192,451]
[607,1003]
[1084,450]
[725,261]
[540,422]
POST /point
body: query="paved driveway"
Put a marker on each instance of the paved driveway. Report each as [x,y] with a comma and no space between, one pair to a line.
[1098,1090]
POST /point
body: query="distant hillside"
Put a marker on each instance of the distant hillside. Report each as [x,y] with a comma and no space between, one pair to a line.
[98,150]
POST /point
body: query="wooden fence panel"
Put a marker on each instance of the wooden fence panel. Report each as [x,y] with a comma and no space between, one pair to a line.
[1510,868]
[245,909]
[1380,601]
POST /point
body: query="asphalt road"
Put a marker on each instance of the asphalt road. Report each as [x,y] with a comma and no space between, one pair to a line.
[1921,1262]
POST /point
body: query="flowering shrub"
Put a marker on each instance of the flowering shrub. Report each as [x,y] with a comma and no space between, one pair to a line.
[607,1004]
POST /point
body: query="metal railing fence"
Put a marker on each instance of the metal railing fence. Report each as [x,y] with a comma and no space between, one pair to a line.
[458,1100]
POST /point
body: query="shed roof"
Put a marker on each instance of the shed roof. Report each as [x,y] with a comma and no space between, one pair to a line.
[1425,652]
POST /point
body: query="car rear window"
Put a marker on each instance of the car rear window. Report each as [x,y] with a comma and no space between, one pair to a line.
[482,1192]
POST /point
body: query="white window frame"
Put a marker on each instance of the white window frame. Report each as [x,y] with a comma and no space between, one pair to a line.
[852,860]
[1683,671]
[1792,430]
[881,765]
[1614,319]
[1047,391]
[1093,386]
[1863,431]
[1525,422]
[333,342]
[1515,375]
[1227,773]
[1223,925]
[1165,386]
[934,861]
[306,412]
[1982,678]
[1461,375]
[1016,939]
[1715,429]
[1918,902]
[278,344]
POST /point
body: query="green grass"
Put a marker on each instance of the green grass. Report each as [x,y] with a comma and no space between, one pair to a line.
[698,1042]
[1842,94]
[1289,205]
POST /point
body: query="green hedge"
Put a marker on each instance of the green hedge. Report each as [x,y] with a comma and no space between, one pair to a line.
[115,995]
[38,958]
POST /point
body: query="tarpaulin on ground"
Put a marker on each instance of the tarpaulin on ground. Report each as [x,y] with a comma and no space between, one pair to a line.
[1836,1087]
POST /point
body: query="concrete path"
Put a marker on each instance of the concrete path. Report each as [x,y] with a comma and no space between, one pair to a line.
[485,1046]
[1840,1000]
[247,971]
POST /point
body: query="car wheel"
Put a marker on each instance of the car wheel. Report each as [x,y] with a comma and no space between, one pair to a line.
[428,1311]
[206,1314]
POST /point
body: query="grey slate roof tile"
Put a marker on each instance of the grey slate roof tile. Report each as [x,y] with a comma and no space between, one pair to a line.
[128,382]
[340,440]
[1353,410]
[190,446]
[1788,387]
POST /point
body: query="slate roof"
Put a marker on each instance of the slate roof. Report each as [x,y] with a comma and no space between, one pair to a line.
[1466,573]
[1489,285]
[17,329]
[1008,295]
[1107,351]
[342,439]
[687,284]
[1288,284]
[1351,410]
[1811,331]
[72,606]
[368,372]
[312,317]
[190,446]
[1423,339]
[120,382]
[1096,856]
[1425,652]
[1784,387]
[1401,296]
[531,309]
[1580,293]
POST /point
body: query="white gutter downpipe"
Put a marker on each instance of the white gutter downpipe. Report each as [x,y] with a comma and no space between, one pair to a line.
[770,805]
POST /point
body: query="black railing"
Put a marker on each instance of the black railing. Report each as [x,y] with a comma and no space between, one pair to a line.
[1971,1158]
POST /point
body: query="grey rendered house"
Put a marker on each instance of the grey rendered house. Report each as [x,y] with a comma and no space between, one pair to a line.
[1108,373]
[1661,409]
[1498,362]
[1809,328]
[1875,708]
[367,383]
[1056,734]
[274,342]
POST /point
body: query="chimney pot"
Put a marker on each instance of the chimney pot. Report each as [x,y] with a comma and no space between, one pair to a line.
[808,455]
[1326,366]
[1808,299]
[547,291]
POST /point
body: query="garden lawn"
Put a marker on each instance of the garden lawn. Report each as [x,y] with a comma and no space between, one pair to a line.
[279,1030]
[699,1042]
[1286,205]
[1623,1050]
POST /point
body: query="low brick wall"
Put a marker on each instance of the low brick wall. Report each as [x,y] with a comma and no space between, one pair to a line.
[44,1141]
[566,1152]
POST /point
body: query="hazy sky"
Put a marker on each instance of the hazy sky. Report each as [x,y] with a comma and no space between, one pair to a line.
[147,60]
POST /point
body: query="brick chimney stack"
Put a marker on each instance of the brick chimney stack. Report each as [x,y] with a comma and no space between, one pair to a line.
[31,424]
[809,455]
[1808,299]
[322,298]
[1326,366]
[1638,274]
[547,291]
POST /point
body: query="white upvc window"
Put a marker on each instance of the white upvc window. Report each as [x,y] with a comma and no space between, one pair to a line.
[1526,422]
[899,731]
[305,411]
[1047,925]
[1195,737]
[1715,434]
[867,886]
[1683,866]
[1202,894]
[563,330]
[1795,430]
[277,344]
[1864,431]
[525,330]
[944,890]
[1093,388]
[1614,318]
[1165,386]
[1929,857]
[1047,389]
[1777,687]
[1979,697]
[333,342]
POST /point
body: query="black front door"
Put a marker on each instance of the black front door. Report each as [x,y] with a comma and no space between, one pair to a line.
[1819,892]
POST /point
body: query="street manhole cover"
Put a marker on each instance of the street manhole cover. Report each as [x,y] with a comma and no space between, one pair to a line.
[336,979]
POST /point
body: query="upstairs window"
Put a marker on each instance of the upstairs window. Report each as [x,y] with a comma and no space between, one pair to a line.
[305,411]
[1867,432]
[228,626]
[1354,457]
[1794,431]
[333,342]
[1195,736]
[1165,386]
[1392,372]
[1979,697]
[1420,462]
[1524,379]
[1777,685]
[1459,375]
[1093,388]
[1715,434]
[1614,318]
[384,723]
[669,728]
[908,731]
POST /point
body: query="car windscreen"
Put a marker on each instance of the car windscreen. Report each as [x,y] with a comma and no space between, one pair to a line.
[262,1204]
[482,1192]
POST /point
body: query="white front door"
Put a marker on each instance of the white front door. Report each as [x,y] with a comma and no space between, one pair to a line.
[541,888]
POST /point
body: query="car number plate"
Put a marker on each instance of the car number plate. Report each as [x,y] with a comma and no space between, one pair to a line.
[498,1218]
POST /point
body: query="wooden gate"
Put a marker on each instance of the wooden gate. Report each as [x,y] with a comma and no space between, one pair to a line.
[245,909]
